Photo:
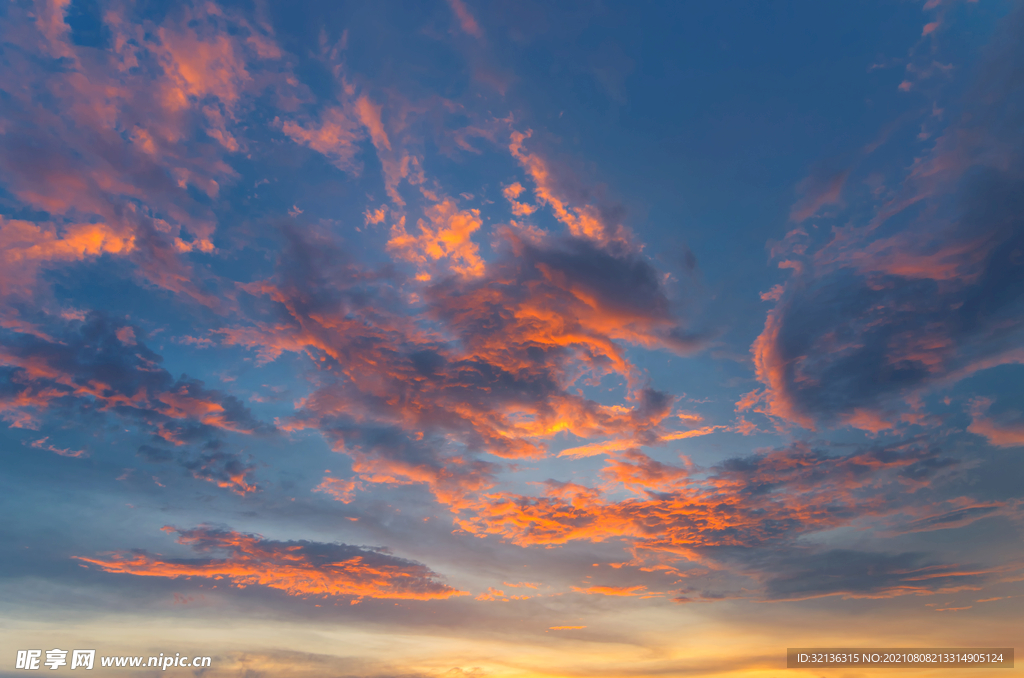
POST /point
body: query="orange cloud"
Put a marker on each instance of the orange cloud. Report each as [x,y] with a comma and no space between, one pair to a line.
[694,433]
[593,449]
[624,591]
[23,240]
[444,234]
[917,340]
[26,246]
[495,369]
[641,474]
[582,221]
[923,301]
[342,490]
[223,471]
[511,193]
[606,446]
[376,216]
[493,594]
[369,115]
[182,404]
[299,568]
[679,511]
[119,151]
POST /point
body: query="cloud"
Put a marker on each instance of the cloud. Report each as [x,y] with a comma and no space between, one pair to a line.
[489,365]
[583,221]
[1005,430]
[224,469]
[955,513]
[376,216]
[875,317]
[512,193]
[336,137]
[466,21]
[43,443]
[606,446]
[864,574]
[298,568]
[369,115]
[26,246]
[342,490]
[756,501]
[201,62]
[817,190]
[88,367]
[492,594]
[120,150]
[498,364]
[344,122]
[640,474]
[593,449]
[621,591]
[443,235]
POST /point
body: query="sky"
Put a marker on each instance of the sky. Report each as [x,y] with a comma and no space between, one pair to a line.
[461,339]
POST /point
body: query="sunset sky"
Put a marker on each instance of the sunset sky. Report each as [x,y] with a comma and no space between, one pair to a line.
[464,339]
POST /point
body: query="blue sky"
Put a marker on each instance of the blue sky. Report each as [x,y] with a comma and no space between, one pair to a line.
[510,339]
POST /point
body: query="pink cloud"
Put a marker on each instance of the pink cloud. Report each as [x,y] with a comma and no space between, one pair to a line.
[369,115]
[43,444]
[816,191]
[336,137]
[1003,431]
[466,20]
